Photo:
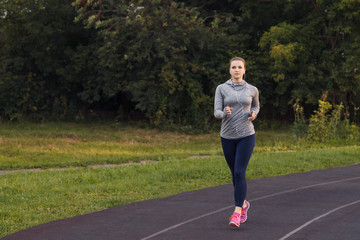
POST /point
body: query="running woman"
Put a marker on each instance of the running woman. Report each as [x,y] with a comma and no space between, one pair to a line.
[237,104]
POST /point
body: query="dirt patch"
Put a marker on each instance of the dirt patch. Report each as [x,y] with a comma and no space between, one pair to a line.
[199,156]
[21,170]
[69,168]
[120,164]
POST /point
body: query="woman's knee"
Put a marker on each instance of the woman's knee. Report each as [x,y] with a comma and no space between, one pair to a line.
[238,174]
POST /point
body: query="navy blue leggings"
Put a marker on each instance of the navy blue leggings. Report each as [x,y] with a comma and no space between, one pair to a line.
[237,153]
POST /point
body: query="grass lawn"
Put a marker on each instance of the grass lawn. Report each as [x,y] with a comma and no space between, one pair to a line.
[180,162]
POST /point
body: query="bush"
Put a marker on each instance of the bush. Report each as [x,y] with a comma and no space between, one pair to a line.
[324,124]
[299,127]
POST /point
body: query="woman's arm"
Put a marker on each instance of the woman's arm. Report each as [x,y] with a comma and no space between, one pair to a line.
[255,105]
[219,104]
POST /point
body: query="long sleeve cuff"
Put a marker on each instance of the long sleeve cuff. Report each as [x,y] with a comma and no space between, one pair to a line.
[219,114]
[256,110]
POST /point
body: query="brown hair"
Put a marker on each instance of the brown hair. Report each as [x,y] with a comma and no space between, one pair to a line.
[237,59]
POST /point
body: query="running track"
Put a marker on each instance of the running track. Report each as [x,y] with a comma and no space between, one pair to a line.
[321,205]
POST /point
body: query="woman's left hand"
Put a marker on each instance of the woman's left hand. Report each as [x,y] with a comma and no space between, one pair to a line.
[252,116]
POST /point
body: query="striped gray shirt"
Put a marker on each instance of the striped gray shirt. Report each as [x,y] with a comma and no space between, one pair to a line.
[242,97]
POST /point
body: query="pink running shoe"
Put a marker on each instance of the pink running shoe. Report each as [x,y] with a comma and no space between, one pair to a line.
[244,210]
[235,220]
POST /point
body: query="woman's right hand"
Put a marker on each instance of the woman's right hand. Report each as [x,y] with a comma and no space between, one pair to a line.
[228,110]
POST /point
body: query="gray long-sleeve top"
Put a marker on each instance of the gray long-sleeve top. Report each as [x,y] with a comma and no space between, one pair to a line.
[242,97]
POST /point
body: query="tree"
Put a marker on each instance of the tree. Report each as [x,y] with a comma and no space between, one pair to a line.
[37,39]
[160,52]
[165,58]
[316,53]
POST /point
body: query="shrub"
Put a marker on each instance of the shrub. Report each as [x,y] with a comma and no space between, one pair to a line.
[325,124]
[299,127]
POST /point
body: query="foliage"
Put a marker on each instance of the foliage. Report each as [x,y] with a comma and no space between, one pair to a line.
[316,52]
[299,125]
[159,52]
[327,123]
[162,59]
[319,127]
[37,39]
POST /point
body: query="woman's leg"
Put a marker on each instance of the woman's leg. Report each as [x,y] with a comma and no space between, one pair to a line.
[229,149]
[244,150]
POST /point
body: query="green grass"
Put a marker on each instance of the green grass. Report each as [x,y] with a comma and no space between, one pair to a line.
[52,145]
[31,198]
[66,145]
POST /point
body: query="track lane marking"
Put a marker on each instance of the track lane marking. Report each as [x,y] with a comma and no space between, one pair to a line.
[317,218]
[255,199]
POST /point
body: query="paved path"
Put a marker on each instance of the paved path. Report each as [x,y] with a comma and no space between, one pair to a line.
[321,205]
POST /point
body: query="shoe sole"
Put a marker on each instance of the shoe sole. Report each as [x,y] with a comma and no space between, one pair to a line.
[234,224]
[246,214]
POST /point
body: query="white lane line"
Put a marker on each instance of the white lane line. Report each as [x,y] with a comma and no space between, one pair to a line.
[306,187]
[255,199]
[317,218]
[185,222]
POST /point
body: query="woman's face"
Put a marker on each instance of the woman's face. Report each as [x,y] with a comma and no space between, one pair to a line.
[237,70]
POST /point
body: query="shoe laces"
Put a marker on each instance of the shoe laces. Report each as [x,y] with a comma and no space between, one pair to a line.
[235,217]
